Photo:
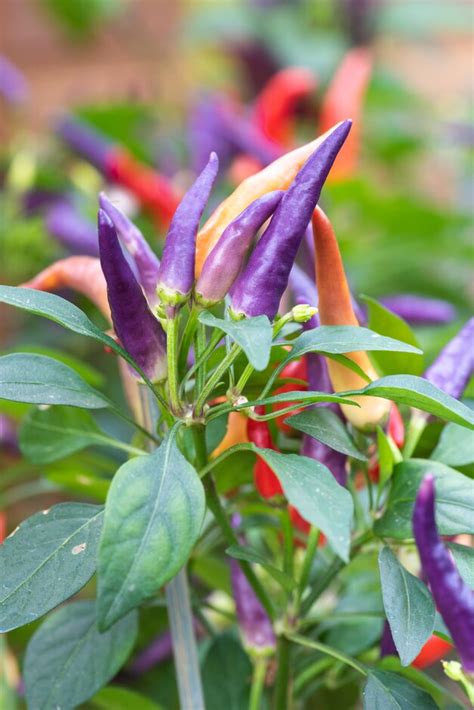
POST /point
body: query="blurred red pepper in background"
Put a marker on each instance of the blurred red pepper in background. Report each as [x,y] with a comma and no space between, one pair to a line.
[266,483]
[396,426]
[296,369]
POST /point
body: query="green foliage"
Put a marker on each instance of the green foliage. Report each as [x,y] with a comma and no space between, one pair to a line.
[324,425]
[254,335]
[391,692]
[224,661]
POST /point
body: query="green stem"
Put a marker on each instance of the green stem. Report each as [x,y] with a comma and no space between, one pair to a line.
[244,378]
[329,651]
[311,672]
[200,347]
[225,454]
[215,377]
[288,547]
[282,683]
[213,341]
[311,547]
[172,331]
[187,338]
[415,430]
[258,683]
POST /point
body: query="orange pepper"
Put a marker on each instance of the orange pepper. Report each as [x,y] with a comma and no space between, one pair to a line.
[335,308]
[344,98]
[236,433]
[276,176]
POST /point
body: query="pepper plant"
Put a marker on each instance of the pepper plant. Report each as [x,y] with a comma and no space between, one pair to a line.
[269,466]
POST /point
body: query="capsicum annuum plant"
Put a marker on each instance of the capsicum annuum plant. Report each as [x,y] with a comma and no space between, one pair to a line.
[265,431]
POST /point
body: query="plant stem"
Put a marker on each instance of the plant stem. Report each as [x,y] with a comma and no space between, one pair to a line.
[311,672]
[288,547]
[415,430]
[200,347]
[225,454]
[282,683]
[187,338]
[215,377]
[311,547]
[258,682]
[329,651]
[172,331]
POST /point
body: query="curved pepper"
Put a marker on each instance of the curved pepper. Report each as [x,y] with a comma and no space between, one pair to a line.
[266,483]
[452,596]
[176,272]
[345,97]
[275,106]
[276,176]
[223,264]
[146,261]
[137,328]
[418,310]
[261,284]
[454,366]
[335,308]
[71,229]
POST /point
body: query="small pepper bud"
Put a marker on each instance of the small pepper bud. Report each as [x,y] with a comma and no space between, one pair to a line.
[261,284]
[146,261]
[176,273]
[223,264]
[453,598]
[335,308]
[138,330]
[303,312]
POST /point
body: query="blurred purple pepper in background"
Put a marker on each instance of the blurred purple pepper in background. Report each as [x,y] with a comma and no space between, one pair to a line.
[418,310]
[226,259]
[253,621]
[8,435]
[86,142]
[146,261]
[246,137]
[66,224]
[176,272]
[454,366]
[454,600]
[260,286]
[138,330]
[13,85]
[205,133]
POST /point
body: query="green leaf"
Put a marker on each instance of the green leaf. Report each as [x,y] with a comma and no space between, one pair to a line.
[418,392]
[297,396]
[60,311]
[389,691]
[387,323]
[239,552]
[386,458]
[153,516]
[455,446]
[86,474]
[38,379]
[464,559]
[225,675]
[46,560]
[408,605]
[68,660]
[324,425]
[116,698]
[454,500]
[313,490]
[254,335]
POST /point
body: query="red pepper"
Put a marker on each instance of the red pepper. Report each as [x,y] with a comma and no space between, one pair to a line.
[259,433]
[302,525]
[396,426]
[276,104]
[297,369]
[3,526]
[432,652]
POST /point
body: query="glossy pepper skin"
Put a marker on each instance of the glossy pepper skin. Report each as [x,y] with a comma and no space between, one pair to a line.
[335,308]
[266,483]
[146,261]
[454,366]
[135,325]
[419,310]
[260,286]
[453,598]
[223,264]
[71,229]
[176,273]
[276,176]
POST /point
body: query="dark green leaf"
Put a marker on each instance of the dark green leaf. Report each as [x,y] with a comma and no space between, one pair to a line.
[154,512]
[455,446]
[408,605]
[454,500]
[464,559]
[418,392]
[116,698]
[389,691]
[225,675]
[38,379]
[313,490]
[254,335]
[46,560]
[324,425]
[387,323]
[249,555]
[68,660]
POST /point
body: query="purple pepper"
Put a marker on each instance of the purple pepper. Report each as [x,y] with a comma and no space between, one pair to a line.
[13,86]
[452,369]
[253,621]
[86,141]
[387,644]
[8,435]
[225,261]
[454,600]
[260,286]
[205,133]
[418,310]
[146,261]
[65,223]
[245,137]
[135,325]
[176,273]
[304,291]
